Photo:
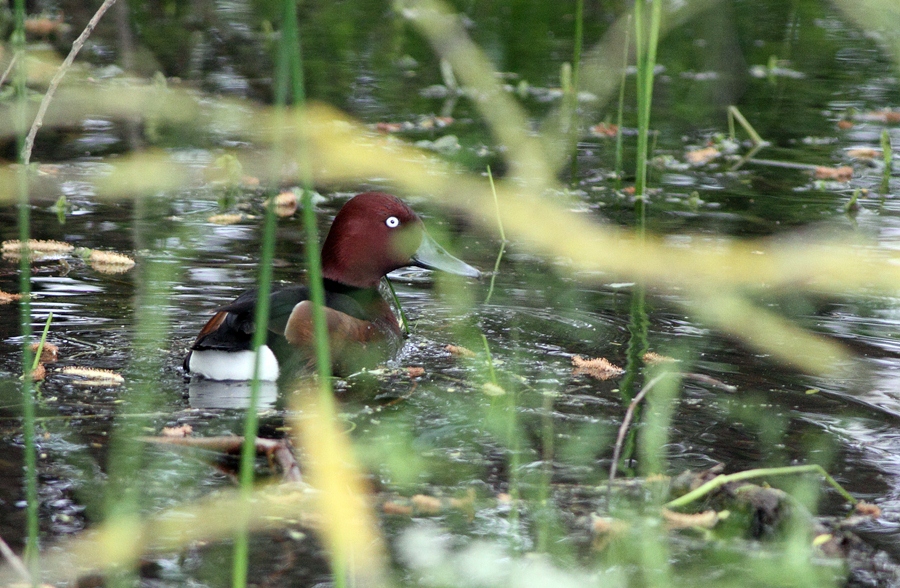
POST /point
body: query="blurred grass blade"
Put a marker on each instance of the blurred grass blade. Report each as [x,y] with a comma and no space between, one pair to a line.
[347,523]
[506,118]
[769,333]
[881,17]
[121,541]
[32,530]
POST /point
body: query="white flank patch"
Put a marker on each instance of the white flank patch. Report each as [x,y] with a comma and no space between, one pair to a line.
[233,365]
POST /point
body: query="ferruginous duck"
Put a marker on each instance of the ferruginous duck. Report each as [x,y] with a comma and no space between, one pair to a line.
[373,234]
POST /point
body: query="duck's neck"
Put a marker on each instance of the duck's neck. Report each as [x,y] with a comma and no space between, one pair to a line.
[342,288]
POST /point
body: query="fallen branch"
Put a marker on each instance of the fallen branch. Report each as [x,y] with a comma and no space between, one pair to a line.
[12,64]
[57,78]
[626,422]
[721,480]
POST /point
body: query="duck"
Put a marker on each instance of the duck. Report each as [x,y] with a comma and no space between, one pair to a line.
[372,235]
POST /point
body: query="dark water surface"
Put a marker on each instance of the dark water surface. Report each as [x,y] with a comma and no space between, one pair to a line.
[449,436]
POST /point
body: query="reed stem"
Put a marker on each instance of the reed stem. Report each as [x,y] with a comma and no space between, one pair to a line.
[490,293]
[24,222]
[646,59]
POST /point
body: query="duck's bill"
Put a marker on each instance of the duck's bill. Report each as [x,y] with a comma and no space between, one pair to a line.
[430,255]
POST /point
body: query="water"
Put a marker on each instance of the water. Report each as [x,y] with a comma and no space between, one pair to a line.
[539,316]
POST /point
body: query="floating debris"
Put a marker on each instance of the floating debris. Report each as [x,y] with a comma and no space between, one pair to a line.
[415,371]
[425,505]
[883,116]
[605,129]
[492,389]
[701,520]
[838,174]
[426,123]
[459,351]
[39,373]
[702,156]
[285,203]
[867,509]
[393,127]
[49,354]
[6,297]
[37,248]
[44,26]
[845,125]
[653,358]
[864,153]
[93,376]
[225,219]
[37,245]
[109,262]
[180,431]
[598,367]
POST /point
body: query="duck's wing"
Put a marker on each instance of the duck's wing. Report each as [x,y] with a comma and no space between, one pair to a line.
[231,328]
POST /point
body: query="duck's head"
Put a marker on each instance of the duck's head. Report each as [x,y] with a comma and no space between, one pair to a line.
[376,233]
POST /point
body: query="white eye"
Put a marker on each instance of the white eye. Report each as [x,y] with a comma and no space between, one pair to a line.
[392,222]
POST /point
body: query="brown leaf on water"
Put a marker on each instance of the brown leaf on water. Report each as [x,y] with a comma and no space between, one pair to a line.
[49,354]
[702,156]
[225,219]
[110,262]
[6,297]
[598,367]
[605,130]
[886,115]
[38,373]
[389,127]
[702,520]
[459,351]
[93,376]
[180,431]
[394,508]
[864,153]
[285,203]
[867,509]
[838,174]
[426,504]
[608,526]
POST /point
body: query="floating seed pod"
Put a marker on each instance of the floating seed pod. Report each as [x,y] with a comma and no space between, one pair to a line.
[109,262]
[225,219]
[93,376]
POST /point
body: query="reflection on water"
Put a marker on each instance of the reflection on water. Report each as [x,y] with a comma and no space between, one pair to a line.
[204,393]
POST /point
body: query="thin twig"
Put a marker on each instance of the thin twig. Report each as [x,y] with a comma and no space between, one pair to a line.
[40,348]
[626,422]
[12,64]
[754,136]
[709,380]
[14,561]
[57,78]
